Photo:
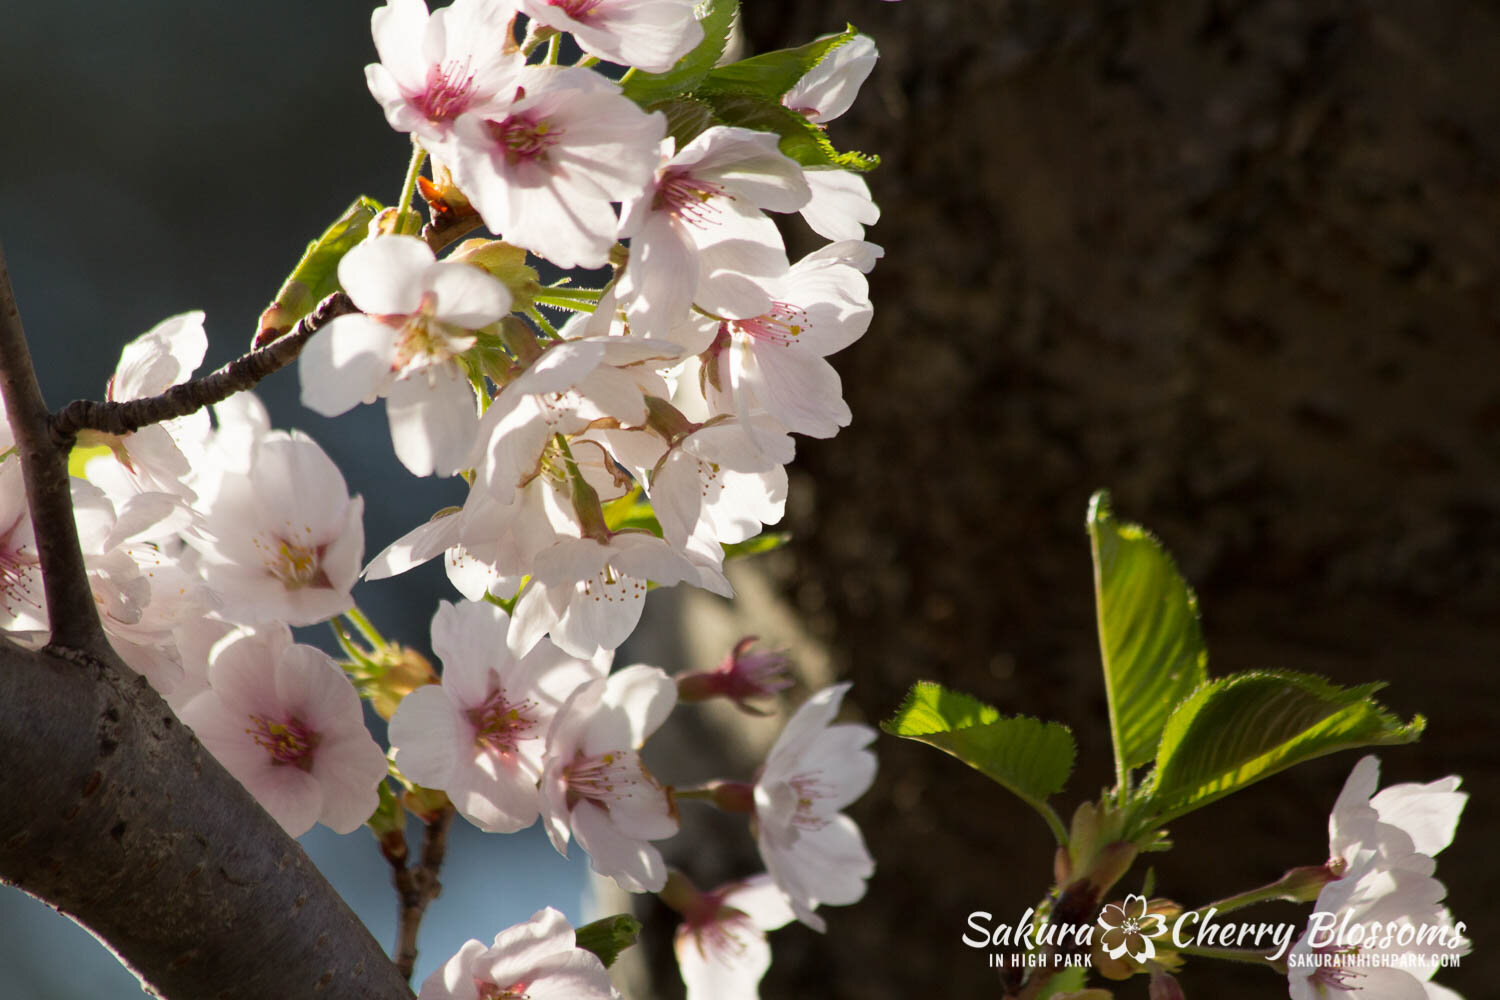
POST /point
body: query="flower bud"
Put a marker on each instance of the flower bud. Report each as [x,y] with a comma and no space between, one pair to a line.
[506,263]
[1164,985]
[743,674]
[402,671]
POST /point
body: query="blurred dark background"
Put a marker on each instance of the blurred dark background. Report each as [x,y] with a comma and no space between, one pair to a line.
[1235,261]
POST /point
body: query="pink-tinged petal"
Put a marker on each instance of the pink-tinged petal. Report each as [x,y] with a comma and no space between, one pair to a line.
[637,700]
[426,733]
[829,88]
[347,363]
[527,945]
[724,961]
[799,389]
[467,296]
[575,975]
[454,980]
[649,34]
[600,620]
[469,638]
[536,612]
[242,667]
[341,558]
[571,560]
[383,275]
[433,420]
[398,29]
[294,798]
[349,772]
[840,206]
[760,899]
[553,793]
[634,864]
[857,253]
[312,687]
[414,548]
[298,487]
[165,355]
[496,792]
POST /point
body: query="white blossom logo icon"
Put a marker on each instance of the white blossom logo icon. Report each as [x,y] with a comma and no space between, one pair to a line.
[1128,929]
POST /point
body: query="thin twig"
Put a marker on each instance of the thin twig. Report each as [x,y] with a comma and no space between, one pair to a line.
[418,886]
[189,397]
[71,612]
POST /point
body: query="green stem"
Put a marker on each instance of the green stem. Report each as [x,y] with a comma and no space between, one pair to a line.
[366,628]
[628,74]
[346,643]
[409,185]
[559,302]
[1054,822]
[587,61]
[554,48]
[541,321]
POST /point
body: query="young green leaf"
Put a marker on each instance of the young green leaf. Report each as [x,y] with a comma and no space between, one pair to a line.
[316,275]
[1149,634]
[800,139]
[1031,758]
[772,74]
[609,936]
[1239,729]
[647,89]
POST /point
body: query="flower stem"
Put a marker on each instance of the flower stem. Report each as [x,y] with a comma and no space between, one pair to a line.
[366,627]
[409,185]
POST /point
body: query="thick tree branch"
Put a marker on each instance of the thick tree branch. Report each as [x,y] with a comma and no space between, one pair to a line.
[418,886]
[189,397]
[71,611]
[116,815]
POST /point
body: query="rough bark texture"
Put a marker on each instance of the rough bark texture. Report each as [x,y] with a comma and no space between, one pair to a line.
[1236,261]
[118,817]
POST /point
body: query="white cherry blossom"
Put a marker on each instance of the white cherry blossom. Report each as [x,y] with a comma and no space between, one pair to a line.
[417,316]
[594,787]
[435,67]
[479,735]
[813,851]
[286,722]
[538,959]
[721,943]
[543,168]
[283,540]
[699,233]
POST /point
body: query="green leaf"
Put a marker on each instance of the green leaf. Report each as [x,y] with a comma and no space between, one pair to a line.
[1149,633]
[766,541]
[609,936]
[772,74]
[687,117]
[316,275]
[1239,729]
[632,510]
[647,89]
[1031,758]
[800,139]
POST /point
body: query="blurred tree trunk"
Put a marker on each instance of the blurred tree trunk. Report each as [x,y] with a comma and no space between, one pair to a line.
[1235,261]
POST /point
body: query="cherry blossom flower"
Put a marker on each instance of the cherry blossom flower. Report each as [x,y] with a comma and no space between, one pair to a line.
[435,67]
[538,959]
[418,315]
[479,735]
[721,943]
[648,34]
[20,566]
[594,787]
[282,541]
[698,233]
[776,360]
[286,722]
[588,593]
[543,168]
[828,89]
[813,851]
[1381,847]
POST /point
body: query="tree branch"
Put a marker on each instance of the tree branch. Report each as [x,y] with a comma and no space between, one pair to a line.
[416,887]
[189,397]
[71,612]
[116,815]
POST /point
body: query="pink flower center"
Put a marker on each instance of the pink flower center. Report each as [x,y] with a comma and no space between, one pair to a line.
[1331,973]
[494,991]
[524,136]
[289,742]
[423,340]
[781,326]
[688,199]
[449,90]
[578,10]
[500,725]
[604,778]
[808,790]
[295,564]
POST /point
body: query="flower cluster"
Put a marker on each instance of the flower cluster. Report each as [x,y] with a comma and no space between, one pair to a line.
[1380,928]
[631,435]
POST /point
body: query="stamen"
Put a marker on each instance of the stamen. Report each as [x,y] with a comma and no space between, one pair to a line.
[524,137]
[500,725]
[689,199]
[289,742]
[782,325]
[449,89]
